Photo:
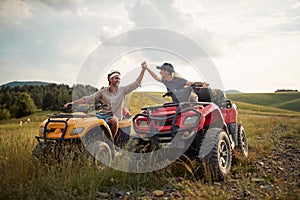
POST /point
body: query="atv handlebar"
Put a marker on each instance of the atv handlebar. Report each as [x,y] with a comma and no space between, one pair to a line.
[85,108]
[194,86]
[167,94]
[198,85]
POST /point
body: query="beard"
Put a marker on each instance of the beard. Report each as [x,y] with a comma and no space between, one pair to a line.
[116,84]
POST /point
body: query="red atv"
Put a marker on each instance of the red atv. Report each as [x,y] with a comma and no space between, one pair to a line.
[206,130]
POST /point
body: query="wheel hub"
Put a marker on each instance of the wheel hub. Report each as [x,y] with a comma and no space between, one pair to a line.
[224,154]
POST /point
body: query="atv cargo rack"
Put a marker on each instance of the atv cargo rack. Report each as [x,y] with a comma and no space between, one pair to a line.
[54,118]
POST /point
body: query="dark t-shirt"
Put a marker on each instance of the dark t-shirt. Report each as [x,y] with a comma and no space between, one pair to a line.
[177,87]
[175,83]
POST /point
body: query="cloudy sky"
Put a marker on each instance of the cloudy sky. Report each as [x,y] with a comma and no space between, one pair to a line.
[253,44]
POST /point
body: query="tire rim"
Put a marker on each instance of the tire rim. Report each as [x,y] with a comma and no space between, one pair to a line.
[224,154]
[244,142]
[103,157]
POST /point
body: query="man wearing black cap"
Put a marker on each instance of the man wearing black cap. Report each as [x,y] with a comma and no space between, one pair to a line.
[113,96]
[169,79]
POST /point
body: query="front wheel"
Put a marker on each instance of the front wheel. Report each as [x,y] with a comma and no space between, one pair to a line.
[215,154]
[38,151]
[103,155]
[43,152]
[94,137]
[138,145]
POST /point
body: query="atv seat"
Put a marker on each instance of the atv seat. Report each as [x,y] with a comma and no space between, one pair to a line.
[180,95]
[169,104]
[206,94]
[226,103]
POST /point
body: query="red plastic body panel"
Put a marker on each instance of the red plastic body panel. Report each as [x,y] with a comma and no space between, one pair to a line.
[162,117]
[229,115]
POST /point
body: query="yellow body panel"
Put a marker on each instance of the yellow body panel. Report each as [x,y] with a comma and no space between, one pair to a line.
[124,123]
[55,129]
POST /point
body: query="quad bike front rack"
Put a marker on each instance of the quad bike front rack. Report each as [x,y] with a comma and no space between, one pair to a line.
[64,130]
[171,132]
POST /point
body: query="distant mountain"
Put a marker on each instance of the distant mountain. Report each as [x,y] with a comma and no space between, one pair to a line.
[232,92]
[22,83]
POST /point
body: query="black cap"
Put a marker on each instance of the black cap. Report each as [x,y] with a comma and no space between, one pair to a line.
[167,67]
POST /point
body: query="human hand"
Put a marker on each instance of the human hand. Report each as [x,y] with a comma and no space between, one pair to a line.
[144,65]
[67,105]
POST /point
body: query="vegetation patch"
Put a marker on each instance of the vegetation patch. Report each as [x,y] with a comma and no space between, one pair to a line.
[285,100]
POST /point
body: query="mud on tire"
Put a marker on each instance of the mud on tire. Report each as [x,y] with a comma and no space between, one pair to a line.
[38,151]
[44,152]
[103,155]
[215,154]
[99,146]
[138,145]
[242,141]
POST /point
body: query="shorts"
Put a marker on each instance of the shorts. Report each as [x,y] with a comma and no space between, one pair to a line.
[105,117]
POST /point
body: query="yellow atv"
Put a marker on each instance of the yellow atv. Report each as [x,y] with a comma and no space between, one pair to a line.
[80,129]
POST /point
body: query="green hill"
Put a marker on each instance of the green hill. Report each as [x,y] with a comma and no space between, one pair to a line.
[284,100]
[289,105]
[22,83]
[248,108]
[256,103]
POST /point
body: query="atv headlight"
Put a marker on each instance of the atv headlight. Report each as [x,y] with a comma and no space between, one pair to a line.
[76,131]
[190,120]
[142,124]
[41,129]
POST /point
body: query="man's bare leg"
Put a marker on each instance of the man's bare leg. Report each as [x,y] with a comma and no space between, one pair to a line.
[114,125]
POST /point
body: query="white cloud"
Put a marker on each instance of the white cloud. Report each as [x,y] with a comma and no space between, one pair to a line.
[296,5]
[39,41]
[64,5]
[13,13]
[158,14]
[190,6]
[106,32]
[263,64]
[246,39]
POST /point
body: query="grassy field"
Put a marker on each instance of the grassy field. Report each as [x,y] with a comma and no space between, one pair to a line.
[272,137]
[283,100]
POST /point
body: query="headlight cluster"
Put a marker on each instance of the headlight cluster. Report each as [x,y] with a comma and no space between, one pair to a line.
[41,129]
[190,120]
[143,124]
[76,131]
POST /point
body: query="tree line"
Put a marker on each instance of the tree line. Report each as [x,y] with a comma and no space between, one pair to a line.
[286,90]
[24,100]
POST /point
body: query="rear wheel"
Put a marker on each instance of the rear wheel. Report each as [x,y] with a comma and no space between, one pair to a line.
[232,128]
[215,154]
[242,141]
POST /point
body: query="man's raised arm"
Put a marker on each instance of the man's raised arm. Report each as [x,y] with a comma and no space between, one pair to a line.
[140,77]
